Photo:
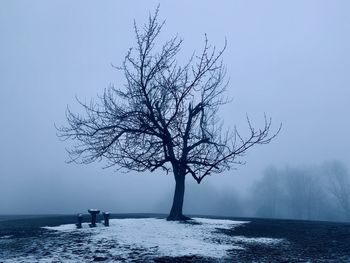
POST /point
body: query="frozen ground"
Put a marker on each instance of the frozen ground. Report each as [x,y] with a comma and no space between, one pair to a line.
[157,240]
[160,237]
[140,239]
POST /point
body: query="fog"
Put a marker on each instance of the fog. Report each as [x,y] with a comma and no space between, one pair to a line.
[317,192]
[287,59]
[308,193]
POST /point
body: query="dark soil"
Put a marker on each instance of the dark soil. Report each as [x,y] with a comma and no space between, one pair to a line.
[308,241]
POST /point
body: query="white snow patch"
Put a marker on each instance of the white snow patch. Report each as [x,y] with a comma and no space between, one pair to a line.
[261,240]
[165,238]
[130,240]
[6,237]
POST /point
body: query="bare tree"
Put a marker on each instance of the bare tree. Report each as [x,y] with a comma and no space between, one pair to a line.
[293,192]
[339,185]
[165,117]
[268,194]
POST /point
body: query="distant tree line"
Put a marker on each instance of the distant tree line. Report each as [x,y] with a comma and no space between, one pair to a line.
[307,193]
[318,193]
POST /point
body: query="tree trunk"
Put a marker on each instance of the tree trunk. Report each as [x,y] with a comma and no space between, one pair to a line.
[176,209]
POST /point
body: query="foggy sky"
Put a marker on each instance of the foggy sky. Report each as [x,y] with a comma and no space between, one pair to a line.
[289,59]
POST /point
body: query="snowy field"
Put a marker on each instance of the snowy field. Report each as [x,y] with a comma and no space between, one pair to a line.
[140,239]
[161,237]
[146,239]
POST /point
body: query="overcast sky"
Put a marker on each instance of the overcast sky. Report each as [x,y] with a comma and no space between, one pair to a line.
[289,59]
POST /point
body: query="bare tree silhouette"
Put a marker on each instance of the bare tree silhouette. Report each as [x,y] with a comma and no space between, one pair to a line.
[339,185]
[164,118]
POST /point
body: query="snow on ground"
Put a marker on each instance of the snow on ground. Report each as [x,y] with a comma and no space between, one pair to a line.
[260,240]
[165,238]
[5,237]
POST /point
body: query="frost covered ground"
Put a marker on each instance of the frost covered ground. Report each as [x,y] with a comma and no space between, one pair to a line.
[157,240]
[141,239]
[160,237]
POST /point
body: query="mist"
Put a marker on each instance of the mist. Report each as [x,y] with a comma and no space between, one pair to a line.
[305,193]
[289,60]
[316,192]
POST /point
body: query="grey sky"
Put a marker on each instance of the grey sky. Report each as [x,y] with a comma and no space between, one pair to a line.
[290,59]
